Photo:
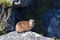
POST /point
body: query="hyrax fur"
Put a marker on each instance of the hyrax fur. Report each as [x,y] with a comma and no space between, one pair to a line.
[22,26]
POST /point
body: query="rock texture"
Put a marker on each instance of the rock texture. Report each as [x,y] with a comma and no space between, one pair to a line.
[52,23]
[23,36]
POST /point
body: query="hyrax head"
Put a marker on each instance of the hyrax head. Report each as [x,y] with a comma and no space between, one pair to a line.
[31,23]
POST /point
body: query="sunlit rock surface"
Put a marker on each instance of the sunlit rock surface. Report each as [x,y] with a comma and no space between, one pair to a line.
[23,36]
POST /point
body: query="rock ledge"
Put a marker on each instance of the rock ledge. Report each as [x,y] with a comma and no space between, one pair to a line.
[23,36]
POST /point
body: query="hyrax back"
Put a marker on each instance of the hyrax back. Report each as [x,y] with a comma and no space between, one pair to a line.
[24,25]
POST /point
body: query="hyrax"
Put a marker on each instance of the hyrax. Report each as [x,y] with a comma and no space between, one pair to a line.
[22,26]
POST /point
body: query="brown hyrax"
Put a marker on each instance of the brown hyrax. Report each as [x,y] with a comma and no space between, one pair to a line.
[22,26]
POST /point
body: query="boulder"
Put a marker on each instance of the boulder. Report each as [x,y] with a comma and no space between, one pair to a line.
[51,23]
[23,36]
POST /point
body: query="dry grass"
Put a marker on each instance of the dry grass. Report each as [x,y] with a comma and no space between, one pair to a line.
[3,18]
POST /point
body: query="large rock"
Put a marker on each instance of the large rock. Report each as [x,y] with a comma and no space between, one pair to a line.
[46,19]
[54,26]
[23,36]
[51,23]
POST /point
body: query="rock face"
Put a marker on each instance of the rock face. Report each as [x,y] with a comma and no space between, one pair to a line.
[46,19]
[54,26]
[52,21]
[23,36]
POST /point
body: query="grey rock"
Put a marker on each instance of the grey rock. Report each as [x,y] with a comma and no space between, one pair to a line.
[54,26]
[23,36]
